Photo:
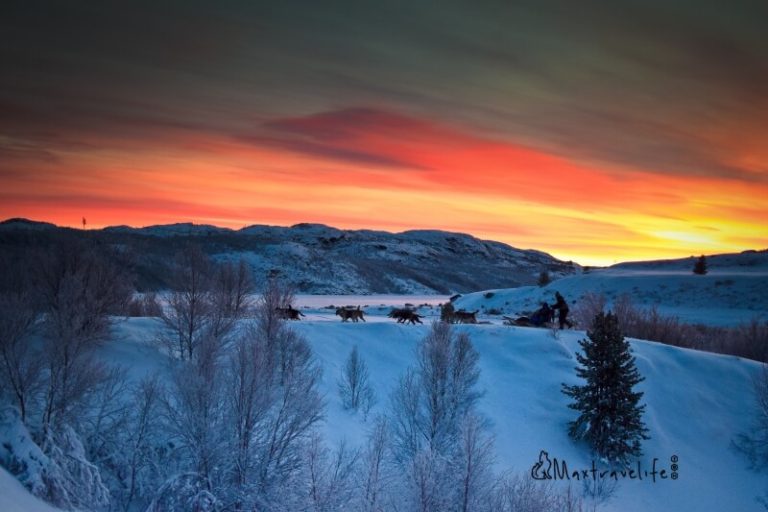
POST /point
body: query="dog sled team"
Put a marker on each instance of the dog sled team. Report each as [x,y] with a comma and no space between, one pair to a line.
[542,317]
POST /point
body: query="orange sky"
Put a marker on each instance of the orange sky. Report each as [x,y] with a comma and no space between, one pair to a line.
[603,132]
[393,172]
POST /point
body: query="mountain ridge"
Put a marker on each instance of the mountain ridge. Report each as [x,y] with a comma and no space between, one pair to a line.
[321,259]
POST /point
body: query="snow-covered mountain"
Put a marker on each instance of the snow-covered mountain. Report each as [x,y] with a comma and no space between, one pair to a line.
[318,259]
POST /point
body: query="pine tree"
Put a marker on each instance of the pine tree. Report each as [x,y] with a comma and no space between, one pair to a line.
[700,267]
[610,417]
[544,278]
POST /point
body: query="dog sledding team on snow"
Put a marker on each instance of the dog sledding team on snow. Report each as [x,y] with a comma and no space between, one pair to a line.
[543,316]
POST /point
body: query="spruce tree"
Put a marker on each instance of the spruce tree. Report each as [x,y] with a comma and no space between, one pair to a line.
[610,418]
[700,267]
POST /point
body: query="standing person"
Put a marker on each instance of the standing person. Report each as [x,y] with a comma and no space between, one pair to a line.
[562,306]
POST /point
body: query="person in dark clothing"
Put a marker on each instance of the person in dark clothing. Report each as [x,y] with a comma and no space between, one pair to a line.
[562,306]
[541,316]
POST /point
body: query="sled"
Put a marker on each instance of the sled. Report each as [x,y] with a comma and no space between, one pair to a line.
[524,321]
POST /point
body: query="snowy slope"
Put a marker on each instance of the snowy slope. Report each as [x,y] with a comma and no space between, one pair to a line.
[696,402]
[735,290]
[15,498]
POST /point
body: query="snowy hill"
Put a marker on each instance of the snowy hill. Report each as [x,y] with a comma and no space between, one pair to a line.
[735,290]
[25,224]
[696,402]
[319,259]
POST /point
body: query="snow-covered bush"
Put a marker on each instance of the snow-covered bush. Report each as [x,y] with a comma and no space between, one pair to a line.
[64,477]
[242,419]
[79,477]
[20,364]
[188,492]
[20,455]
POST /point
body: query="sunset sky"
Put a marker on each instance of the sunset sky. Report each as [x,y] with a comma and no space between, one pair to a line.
[596,131]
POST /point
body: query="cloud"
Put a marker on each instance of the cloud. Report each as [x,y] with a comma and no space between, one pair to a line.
[642,85]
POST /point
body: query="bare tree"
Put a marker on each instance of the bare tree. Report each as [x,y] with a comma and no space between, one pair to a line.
[79,288]
[432,399]
[20,365]
[104,416]
[187,315]
[244,417]
[438,439]
[143,429]
[250,395]
[194,410]
[588,307]
[406,417]
[448,373]
[330,475]
[376,474]
[472,463]
[354,386]
[205,303]
[428,484]
[232,287]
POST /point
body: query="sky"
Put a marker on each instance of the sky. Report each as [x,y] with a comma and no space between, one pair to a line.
[596,131]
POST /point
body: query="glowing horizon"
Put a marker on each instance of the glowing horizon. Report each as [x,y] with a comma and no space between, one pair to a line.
[537,130]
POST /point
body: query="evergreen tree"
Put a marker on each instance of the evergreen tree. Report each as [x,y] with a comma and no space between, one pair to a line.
[544,278]
[700,267]
[610,418]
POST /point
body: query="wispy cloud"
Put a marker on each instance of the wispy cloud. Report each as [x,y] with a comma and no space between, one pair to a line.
[627,110]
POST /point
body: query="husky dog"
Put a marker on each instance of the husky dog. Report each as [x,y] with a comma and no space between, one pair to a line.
[405,315]
[289,313]
[466,317]
[348,313]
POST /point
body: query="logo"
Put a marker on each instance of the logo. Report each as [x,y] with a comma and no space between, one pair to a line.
[557,469]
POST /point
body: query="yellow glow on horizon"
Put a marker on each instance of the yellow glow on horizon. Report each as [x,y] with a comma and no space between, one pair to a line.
[494,191]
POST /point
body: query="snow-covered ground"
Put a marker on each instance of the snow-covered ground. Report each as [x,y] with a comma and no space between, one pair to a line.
[15,498]
[724,296]
[696,402]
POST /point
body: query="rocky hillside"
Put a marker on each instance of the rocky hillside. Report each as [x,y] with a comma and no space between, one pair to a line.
[319,259]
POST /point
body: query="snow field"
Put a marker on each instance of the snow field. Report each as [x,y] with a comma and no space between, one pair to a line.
[696,402]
